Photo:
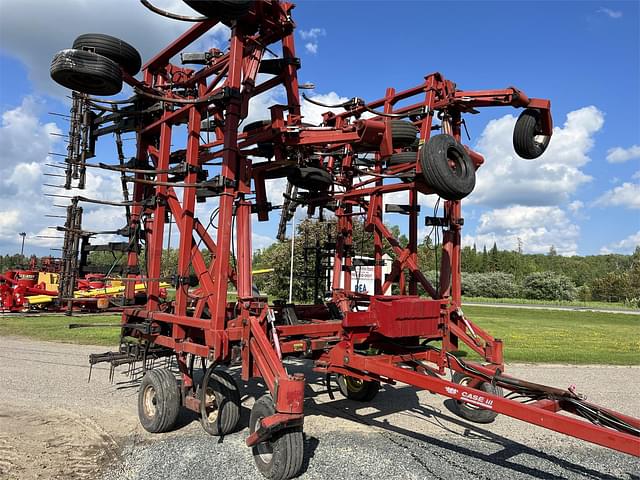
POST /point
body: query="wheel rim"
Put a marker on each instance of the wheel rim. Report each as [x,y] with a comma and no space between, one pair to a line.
[539,139]
[465,383]
[211,406]
[354,385]
[454,160]
[264,449]
[149,402]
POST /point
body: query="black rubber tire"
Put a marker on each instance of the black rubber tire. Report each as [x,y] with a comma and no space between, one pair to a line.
[227,402]
[451,182]
[402,158]
[286,446]
[313,179]
[158,401]
[225,10]
[528,140]
[280,172]
[113,48]
[471,412]
[356,389]
[86,72]
[265,149]
[255,125]
[403,133]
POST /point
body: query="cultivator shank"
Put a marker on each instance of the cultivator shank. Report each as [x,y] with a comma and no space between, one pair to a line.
[196,153]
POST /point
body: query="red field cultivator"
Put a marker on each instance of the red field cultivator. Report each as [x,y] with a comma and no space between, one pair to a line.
[405,141]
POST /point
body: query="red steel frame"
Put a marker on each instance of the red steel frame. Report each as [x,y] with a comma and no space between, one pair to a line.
[205,323]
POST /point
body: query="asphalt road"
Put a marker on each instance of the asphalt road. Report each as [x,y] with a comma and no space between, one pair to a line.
[552,307]
[55,425]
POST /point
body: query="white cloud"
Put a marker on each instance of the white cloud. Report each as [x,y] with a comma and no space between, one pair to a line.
[636,175]
[22,137]
[506,179]
[610,13]
[620,155]
[311,47]
[312,33]
[626,245]
[313,113]
[24,147]
[575,207]
[537,227]
[626,195]
[275,190]
[258,242]
[34,30]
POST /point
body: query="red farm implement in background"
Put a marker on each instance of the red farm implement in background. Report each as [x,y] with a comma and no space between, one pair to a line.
[405,141]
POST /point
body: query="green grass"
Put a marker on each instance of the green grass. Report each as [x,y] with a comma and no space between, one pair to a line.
[548,336]
[538,336]
[55,328]
[551,303]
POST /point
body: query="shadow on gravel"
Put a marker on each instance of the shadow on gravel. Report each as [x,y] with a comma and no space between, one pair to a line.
[404,400]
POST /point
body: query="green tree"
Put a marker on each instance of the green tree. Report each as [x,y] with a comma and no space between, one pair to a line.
[548,286]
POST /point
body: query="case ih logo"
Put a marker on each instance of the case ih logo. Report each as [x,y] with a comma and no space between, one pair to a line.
[477,399]
[451,390]
[27,276]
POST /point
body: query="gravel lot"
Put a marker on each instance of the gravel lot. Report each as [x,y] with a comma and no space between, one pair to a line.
[53,424]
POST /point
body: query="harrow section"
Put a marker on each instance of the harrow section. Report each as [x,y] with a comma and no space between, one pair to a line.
[405,141]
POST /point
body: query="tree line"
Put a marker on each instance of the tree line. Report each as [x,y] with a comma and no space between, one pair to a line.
[489,272]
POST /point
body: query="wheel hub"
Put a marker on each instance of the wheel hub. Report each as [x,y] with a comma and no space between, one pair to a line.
[264,449]
[150,401]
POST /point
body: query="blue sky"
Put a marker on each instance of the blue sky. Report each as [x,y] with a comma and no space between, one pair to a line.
[582,196]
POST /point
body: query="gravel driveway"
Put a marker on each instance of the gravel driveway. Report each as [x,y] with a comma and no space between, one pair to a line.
[53,424]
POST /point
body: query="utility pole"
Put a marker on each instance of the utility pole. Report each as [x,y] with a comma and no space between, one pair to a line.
[23,235]
[293,242]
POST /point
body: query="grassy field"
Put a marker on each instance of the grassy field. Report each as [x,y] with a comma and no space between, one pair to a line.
[56,328]
[537,336]
[548,336]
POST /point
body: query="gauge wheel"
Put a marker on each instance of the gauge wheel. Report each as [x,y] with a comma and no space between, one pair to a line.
[471,412]
[280,456]
[356,389]
[158,401]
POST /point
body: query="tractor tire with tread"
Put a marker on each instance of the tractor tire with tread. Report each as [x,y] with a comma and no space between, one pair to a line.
[158,401]
[403,133]
[447,167]
[225,10]
[402,158]
[471,412]
[528,140]
[224,418]
[265,149]
[86,72]
[280,457]
[113,48]
[313,179]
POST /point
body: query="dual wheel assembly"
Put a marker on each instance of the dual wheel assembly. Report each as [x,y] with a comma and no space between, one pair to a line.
[160,401]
